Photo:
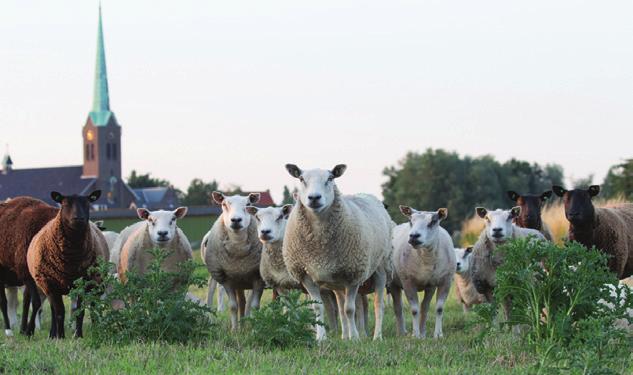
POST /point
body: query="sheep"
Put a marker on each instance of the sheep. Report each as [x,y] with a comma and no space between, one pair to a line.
[213,285]
[233,252]
[157,229]
[531,206]
[62,252]
[499,228]
[424,260]
[12,305]
[465,290]
[271,227]
[20,220]
[337,242]
[609,229]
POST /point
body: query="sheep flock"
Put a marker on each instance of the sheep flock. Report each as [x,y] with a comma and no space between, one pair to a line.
[336,248]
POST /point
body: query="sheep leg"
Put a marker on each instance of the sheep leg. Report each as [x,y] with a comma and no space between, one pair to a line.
[211,291]
[255,297]
[275,294]
[26,304]
[233,308]
[241,302]
[79,320]
[365,301]
[57,306]
[360,315]
[34,299]
[440,299]
[12,305]
[5,314]
[315,294]
[424,309]
[350,310]
[331,309]
[221,295]
[38,316]
[396,294]
[380,281]
[412,296]
[340,301]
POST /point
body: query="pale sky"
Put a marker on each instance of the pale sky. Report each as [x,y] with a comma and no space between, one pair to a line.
[233,90]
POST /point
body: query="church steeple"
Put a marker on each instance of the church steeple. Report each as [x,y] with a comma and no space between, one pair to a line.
[100,113]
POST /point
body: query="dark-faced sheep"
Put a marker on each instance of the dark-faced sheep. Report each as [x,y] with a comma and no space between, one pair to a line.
[62,252]
[609,229]
[531,206]
[20,220]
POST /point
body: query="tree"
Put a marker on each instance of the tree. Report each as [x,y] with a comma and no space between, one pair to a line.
[136,181]
[199,192]
[288,197]
[619,181]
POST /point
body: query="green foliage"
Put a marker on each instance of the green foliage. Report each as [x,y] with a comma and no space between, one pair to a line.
[555,293]
[199,192]
[148,307]
[287,195]
[438,177]
[286,322]
[136,181]
[619,181]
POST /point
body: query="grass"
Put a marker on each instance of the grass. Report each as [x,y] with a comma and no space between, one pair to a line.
[461,351]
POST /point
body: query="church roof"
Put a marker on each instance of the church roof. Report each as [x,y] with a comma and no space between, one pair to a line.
[39,182]
[100,114]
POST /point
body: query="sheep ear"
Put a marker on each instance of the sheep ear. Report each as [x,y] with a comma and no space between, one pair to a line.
[406,211]
[293,170]
[99,224]
[515,212]
[253,198]
[513,195]
[442,213]
[252,210]
[559,190]
[468,251]
[57,197]
[593,190]
[217,197]
[180,212]
[481,212]
[143,213]
[94,195]
[338,170]
[546,195]
[286,210]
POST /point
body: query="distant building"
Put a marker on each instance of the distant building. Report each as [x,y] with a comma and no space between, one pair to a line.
[102,157]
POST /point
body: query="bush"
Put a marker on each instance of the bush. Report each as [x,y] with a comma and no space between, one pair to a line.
[285,322]
[554,292]
[154,305]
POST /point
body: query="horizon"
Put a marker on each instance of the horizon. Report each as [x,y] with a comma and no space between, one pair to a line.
[344,78]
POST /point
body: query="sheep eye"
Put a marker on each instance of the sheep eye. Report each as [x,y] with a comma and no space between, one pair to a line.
[433,222]
[280,217]
[257,218]
[303,181]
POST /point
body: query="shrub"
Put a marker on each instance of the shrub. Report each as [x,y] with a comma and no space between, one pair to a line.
[285,322]
[150,307]
[554,292]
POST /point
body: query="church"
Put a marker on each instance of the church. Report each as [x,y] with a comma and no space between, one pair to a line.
[102,155]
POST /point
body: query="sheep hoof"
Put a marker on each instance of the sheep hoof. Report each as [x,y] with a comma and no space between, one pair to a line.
[8,333]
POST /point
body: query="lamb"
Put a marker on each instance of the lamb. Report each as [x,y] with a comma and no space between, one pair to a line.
[233,252]
[20,220]
[424,260]
[271,228]
[499,229]
[465,290]
[609,229]
[338,242]
[62,252]
[531,206]
[157,229]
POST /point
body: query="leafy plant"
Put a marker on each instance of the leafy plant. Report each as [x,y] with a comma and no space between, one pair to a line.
[560,297]
[148,307]
[285,322]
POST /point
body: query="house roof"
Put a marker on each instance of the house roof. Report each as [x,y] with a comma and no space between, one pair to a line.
[265,199]
[39,182]
[151,195]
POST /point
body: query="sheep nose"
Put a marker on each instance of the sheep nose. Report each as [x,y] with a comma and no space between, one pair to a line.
[497,230]
[414,236]
[236,220]
[314,197]
[162,233]
[265,231]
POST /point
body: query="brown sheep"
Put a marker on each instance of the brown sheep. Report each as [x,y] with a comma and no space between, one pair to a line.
[531,206]
[20,220]
[609,229]
[62,252]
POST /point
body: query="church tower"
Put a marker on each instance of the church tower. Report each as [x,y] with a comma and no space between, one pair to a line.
[102,136]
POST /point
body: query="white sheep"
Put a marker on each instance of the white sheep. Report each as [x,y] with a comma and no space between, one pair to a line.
[233,252]
[109,235]
[424,260]
[499,229]
[337,242]
[212,285]
[157,229]
[465,289]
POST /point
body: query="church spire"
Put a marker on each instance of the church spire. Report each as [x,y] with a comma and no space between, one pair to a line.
[100,113]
